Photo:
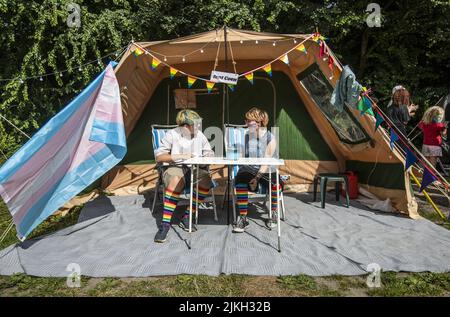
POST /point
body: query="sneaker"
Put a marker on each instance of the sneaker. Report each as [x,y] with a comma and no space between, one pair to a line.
[272,223]
[161,235]
[184,224]
[241,224]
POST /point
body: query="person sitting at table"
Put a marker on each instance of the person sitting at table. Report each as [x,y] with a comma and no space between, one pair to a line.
[181,143]
[259,142]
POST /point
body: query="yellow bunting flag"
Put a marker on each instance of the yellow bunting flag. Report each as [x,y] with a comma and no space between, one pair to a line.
[210,85]
[285,59]
[249,76]
[191,81]
[301,48]
[268,69]
[137,51]
[155,63]
[173,72]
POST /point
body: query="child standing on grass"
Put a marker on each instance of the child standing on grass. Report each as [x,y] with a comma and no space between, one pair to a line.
[433,127]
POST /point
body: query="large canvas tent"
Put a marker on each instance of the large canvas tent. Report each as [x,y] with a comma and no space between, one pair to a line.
[314,136]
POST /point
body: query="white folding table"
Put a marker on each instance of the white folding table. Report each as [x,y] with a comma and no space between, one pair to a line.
[196,161]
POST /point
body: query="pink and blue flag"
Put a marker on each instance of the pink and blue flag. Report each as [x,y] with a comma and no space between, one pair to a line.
[71,151]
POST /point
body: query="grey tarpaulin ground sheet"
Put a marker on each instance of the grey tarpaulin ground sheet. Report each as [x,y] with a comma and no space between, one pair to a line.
[114,237]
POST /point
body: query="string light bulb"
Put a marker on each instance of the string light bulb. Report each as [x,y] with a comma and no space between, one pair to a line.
[80,69]
[241,41]
[256,42]
[184,59]
[60,74]
[165,58]
[201,51]
[295,41]
[41,79]
[274,43]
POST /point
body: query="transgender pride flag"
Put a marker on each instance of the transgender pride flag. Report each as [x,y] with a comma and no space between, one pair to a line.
[72,150]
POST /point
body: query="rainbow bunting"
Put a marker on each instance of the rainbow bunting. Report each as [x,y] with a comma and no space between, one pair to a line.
[302,48]
[155,63]
[285,59]
[249,76]
[232,87]
[137,51]
[191,81]
[173,72]
[209,86]
[268,69]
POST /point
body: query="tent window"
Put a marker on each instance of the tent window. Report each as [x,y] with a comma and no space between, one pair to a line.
[343,122]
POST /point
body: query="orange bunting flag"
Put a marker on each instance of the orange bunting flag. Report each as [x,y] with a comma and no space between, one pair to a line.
[285,59]
[137,52]
[301,48]
[268,69]
[155,63]
[191,81]
[173,72]
[249,76]
[209,86]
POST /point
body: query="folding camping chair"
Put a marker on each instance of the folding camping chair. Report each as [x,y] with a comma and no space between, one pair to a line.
[158,133]
[234,140]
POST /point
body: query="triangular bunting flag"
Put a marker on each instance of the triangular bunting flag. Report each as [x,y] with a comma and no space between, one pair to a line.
[210,85]
[410,159]
[249,76]
[173,72]
[322,50]
[330,63]
[268,69]
[285,59]
[379,119]
[232,87]
[191,81]
[155,63]
[137,51]
[427,179]
[301,48]
[368,105]
[394,138]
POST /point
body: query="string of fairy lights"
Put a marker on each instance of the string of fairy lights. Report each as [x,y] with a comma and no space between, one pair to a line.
[41,77]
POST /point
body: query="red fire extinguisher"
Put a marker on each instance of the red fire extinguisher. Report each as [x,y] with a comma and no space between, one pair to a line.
[352,178]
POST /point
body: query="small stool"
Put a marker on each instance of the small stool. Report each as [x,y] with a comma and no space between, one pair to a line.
[323,178]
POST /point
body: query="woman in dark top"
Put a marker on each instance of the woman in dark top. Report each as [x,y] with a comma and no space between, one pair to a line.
[398,112]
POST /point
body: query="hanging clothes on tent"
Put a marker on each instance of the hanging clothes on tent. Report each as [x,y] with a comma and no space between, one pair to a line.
[71,151]
[347,90]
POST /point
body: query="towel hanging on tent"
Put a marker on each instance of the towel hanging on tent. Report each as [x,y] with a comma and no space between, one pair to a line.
[347,90]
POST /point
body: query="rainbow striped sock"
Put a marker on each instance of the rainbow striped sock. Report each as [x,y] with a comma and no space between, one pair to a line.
[273,197]
[202,193]
[242,198]
[171,199]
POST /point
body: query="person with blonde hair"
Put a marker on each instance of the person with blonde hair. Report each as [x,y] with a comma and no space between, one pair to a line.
[179,144]
[259,142]
[433,127]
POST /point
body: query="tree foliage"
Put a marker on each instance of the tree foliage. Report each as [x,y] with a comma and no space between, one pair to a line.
[411,47]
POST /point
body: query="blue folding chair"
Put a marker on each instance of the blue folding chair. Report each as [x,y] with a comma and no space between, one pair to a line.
[158,133]
[234,140]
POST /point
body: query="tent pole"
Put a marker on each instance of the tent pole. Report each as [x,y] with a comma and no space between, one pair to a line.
[227,106]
